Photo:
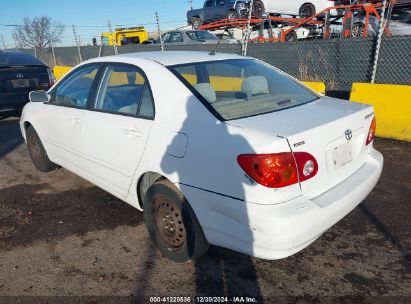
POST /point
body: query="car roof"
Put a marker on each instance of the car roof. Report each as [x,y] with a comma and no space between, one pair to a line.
[180,57]
[18,58]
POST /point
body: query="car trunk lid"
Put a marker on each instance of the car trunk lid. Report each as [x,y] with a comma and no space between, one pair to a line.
[333,131]
[17,81]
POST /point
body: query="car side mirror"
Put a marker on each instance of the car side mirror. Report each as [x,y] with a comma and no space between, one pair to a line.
[38,96]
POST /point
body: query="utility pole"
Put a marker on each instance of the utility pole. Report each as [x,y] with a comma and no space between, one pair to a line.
[248,32]
[78,45]
[113,41]
[190,4]
[159,32]
[4,44]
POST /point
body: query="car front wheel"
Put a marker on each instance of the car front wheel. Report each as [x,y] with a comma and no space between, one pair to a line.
[258,9]
[172,224]
[196,22]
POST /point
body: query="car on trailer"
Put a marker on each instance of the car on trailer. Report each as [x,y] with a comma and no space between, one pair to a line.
[302,8]
[186,37]
[20,73]
[214,10]
[215,148]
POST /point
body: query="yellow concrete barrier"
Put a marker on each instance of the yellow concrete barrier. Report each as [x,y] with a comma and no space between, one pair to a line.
[316,86]
[392,104]
[60,70]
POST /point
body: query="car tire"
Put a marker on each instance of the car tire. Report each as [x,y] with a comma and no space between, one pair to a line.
[357,30]
[258,9]
[37,152]
[291,37]
[231,15]
[196,23]
[172,223]
[306,10]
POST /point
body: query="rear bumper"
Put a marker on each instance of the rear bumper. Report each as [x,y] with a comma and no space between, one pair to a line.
[11,104]
[278,231]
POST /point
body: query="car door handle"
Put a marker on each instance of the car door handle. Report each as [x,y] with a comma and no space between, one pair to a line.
[133,132]
[75,120]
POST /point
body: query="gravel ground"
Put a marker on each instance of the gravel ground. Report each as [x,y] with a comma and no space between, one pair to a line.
[61,236]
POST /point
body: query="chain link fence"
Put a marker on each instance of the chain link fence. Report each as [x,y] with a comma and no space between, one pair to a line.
[337,62]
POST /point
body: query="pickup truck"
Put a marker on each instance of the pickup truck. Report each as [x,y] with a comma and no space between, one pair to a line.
[214,10]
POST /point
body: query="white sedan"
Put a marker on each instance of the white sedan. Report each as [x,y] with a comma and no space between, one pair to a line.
[215,148]
[302,8]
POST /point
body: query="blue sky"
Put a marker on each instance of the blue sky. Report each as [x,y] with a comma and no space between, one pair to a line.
[90,16]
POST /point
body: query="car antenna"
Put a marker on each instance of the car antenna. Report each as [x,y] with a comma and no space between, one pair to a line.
[212,53]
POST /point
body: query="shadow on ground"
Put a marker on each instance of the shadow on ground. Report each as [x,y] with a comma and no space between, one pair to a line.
[10,136]
[29,214]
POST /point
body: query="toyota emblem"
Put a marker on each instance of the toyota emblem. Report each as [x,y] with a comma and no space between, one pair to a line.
[348,134]
[19,75]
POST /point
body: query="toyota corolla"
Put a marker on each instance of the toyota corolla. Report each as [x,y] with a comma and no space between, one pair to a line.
[214,148]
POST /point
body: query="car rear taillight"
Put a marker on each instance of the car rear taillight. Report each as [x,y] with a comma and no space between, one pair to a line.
[52,79]
[371,132]
[280,169]
[307,165]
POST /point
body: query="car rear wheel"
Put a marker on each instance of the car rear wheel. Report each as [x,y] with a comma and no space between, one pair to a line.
[258,9]
[196,22]
[37,152]
[357,30]
[306,10]
[172,224]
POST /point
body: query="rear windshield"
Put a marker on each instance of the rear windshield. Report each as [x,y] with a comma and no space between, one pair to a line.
[243,87]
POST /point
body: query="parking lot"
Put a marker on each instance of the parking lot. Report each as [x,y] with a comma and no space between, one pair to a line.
[60,236]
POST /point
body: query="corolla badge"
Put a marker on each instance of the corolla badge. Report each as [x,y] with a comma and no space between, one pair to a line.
[348,134]
[19,75]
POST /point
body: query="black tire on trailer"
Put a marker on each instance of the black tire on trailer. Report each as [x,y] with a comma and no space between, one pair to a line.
[37,152]
[196,22]
[231,14]
[172,223]
[357,30]
[258,9]
[291,37]
[306,10]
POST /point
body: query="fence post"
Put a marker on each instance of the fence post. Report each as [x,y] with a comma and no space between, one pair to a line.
[54,55]
[159,32]
[379,39]
[4,44]
[78,45]
[112,40]
[248,31]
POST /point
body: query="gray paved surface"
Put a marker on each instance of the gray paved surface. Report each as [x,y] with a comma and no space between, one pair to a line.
[60,235]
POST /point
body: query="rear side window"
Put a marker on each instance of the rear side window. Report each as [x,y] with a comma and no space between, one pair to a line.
[74,91]
[125,90]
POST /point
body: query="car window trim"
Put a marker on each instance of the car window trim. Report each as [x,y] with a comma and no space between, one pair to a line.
[104,66]
[92,88]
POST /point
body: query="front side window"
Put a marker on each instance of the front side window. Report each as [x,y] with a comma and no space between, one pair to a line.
[240,88]
[124,90]
[166,37]
[74,91]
